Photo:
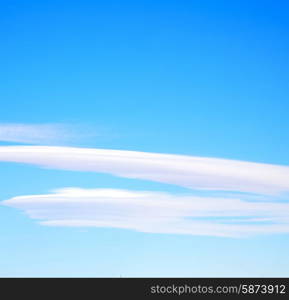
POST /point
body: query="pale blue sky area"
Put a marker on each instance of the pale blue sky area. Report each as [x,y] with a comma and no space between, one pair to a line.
[201,78]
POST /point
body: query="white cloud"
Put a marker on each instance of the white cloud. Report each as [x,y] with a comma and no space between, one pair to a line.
[155,212]
[43,134]
[186,171]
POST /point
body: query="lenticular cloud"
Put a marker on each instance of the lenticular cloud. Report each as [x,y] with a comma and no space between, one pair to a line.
[260,207]
[155,212]
[186,171]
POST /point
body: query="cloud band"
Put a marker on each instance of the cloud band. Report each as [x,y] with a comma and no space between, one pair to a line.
[155,212]
[186,171]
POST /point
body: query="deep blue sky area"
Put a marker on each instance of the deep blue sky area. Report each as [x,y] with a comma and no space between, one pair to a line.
[204,78]
[212,74]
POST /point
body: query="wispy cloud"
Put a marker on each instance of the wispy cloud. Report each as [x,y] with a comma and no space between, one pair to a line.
[186,171]
[41,134]
[155,212]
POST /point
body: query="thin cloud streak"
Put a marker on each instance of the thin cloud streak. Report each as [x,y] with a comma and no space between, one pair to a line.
[42,134]
[185,171]
[155,212]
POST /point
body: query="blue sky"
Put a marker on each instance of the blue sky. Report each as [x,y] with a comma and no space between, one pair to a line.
[195,78]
